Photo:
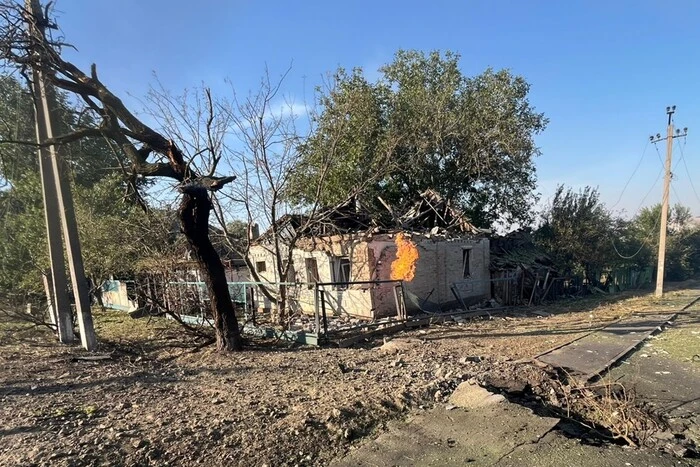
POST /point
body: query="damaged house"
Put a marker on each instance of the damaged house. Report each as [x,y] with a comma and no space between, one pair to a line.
[358,263]
[521,272]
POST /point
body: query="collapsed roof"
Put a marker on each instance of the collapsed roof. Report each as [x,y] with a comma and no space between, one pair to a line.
[518,250]
[430,213]
[434,213]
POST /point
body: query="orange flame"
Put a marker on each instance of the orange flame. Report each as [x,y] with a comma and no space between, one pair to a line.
[403,268]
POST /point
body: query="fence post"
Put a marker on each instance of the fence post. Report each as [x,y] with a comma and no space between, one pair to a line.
[534,286]
[323,312]
[49,296]
[316,310]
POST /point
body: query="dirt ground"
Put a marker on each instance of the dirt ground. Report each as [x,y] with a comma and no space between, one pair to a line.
[158,402]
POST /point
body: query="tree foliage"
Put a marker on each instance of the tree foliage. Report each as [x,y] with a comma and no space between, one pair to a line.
[682,240]
[24,46]
[585,239]
[113,231]
[424,124]
[576,230]
[87,160]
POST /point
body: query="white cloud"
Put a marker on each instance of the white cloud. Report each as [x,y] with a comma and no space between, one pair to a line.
[286,109]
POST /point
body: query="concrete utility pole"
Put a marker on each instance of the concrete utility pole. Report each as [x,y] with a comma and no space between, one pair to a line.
[57,281]
[58,197]
[665,198]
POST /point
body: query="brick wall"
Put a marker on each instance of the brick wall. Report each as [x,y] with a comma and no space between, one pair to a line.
[440,264]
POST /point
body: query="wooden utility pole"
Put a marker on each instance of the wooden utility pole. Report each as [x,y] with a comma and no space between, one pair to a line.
[57,194]
[665,197]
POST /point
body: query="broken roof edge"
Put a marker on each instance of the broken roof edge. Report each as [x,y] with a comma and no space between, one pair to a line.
[433,234]
[517,249]
[432,211]
[429,215]
[313,242]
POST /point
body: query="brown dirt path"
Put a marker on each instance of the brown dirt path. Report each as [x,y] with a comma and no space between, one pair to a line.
[157,404]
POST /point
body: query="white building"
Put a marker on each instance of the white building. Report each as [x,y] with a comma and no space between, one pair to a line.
[353,267]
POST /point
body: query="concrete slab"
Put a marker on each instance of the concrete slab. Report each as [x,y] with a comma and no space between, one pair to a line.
[672,386]
[556,450]
[664,375]
[593,354]
[505,434]
[440,437]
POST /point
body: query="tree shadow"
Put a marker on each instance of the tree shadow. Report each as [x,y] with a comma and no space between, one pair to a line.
[18,430]
[535,326]
[141,377]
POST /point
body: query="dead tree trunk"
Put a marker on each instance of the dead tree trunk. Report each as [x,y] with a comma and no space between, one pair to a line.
[115,122]
[194,217]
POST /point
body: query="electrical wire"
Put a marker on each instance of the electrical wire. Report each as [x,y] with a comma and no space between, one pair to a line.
[646,240]
[653,185]
[664,200]
[685,165]
[661,161]
[641,159]
[673,170]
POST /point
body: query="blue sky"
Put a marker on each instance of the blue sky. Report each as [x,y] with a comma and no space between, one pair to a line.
[603,72]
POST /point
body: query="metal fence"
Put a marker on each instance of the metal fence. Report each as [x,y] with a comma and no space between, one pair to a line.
[190,299]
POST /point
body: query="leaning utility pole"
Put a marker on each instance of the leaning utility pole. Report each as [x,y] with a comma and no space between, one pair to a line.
[665,198]
[57,287]
[57,193]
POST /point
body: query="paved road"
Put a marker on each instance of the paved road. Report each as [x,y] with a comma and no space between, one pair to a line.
[595,353]
[507,434]
[665,374]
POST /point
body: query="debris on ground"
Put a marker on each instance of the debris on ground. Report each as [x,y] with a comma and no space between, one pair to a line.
[159,401]
[469,395]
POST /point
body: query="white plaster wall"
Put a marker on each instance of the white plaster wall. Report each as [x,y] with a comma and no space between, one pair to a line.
[356,300]
[438,267]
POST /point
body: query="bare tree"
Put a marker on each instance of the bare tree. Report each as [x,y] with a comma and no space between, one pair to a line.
[259,138]
[266,152]
[24,46]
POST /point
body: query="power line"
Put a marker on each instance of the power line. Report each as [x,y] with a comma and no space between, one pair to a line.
[666,168]
[646,146]
[661,159]
[644,243]
[670,110]
[658,154]
[675,193]
[639,208]
[685,165]
[672,172]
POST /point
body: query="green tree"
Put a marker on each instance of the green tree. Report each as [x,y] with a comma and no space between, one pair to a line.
[682,245]
[24,46]
[111,228]
[577,231]
[22,228]
[87,160]
[424,124]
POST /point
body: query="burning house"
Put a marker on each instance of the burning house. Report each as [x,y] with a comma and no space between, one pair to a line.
[357,264]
